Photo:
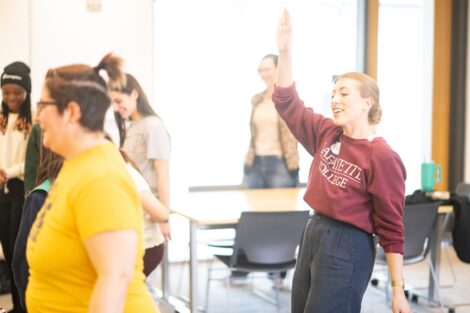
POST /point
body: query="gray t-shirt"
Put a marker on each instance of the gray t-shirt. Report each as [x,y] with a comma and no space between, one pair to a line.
[147,140]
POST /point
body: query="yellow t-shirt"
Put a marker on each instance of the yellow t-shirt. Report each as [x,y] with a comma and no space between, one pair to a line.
[93,193]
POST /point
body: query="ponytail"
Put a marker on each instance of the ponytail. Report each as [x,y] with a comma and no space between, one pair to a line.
[113,65]
[84,85]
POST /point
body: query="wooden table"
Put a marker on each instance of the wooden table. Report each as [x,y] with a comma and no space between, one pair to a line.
[218,209]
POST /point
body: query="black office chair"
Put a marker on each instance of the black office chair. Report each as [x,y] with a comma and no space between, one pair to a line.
[264,242]
[419,222]
[463,189]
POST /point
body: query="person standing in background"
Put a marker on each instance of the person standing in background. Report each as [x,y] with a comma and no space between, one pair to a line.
[15,127]
[272,160]
[147,143]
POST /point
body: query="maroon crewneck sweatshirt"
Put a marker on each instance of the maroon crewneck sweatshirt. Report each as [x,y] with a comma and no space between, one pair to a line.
[356,181]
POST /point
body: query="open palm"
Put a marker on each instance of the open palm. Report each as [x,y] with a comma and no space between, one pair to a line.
[284,32]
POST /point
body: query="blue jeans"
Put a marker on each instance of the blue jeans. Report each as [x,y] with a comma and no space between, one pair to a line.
[333,268]
[268,172]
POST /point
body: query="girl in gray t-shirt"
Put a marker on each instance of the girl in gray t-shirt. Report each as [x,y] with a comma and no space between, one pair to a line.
[147,143]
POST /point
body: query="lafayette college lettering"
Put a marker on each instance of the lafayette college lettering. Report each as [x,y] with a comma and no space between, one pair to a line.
[336,170]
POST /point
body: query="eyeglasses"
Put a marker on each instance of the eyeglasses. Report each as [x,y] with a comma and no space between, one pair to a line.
[41,104]
[44,102]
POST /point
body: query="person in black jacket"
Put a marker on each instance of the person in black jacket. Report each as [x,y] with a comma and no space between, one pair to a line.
[48,169]
[15,126]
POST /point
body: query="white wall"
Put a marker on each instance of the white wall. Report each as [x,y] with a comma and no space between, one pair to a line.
[51,33]
[406,47]
[14,16]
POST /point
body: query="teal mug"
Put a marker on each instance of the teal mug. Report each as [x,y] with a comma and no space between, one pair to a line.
[431,174]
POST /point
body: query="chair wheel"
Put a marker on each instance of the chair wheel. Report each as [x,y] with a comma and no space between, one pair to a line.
[374,282]
[451,310]
[414,298]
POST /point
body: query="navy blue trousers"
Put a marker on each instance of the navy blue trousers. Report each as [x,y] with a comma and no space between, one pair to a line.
[333,268]
[269,172]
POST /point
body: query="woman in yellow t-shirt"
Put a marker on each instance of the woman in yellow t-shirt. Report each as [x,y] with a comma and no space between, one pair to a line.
[85,248]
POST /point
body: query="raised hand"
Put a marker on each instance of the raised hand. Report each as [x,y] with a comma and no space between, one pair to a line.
[284,44]
[284,33]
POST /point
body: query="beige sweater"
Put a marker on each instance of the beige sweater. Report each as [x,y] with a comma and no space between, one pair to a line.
[288,142]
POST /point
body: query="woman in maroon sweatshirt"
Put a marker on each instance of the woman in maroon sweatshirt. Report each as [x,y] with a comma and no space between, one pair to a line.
[356,187]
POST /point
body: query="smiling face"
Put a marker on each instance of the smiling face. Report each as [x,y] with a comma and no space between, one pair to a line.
[14,96]
[124,104]
[267,71]
[53,123]
[349,107]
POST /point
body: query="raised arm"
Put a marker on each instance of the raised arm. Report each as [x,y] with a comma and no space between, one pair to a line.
[307,126]
[284,44]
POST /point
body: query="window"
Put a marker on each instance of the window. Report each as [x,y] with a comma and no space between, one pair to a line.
[405,80]
[207,56]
